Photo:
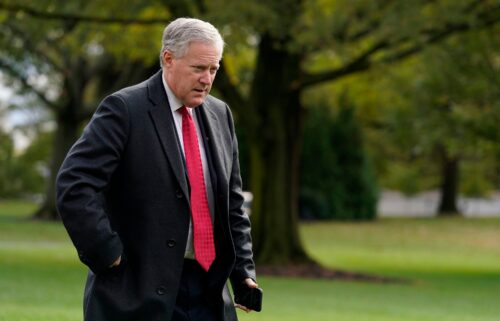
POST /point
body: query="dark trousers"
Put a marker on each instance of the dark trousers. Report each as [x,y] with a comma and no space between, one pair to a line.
[192,304]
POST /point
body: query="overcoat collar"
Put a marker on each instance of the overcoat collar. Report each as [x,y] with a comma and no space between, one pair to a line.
[161,115]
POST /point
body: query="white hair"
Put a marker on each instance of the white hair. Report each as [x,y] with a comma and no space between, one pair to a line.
[181,32]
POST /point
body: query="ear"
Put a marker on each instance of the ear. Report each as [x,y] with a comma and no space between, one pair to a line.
[168,57]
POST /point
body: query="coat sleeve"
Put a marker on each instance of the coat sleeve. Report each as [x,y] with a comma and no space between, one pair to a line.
[239,220]
[82,178]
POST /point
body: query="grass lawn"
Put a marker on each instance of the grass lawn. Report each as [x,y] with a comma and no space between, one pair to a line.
[454,266]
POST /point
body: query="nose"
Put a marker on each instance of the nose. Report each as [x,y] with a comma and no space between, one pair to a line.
[206,78]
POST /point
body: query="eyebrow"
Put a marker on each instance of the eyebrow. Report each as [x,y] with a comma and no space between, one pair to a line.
[205,66]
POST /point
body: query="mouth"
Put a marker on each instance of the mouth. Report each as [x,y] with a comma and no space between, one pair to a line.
[200,90]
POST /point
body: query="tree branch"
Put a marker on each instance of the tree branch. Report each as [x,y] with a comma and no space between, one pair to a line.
[363,62]
[487,20]
[358,64]
[371,26]
[73,17]
[28,45]
[25,83]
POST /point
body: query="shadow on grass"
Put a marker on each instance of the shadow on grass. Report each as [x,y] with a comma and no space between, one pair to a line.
[317,271]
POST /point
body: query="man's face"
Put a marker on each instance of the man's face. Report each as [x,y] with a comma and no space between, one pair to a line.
[190,77]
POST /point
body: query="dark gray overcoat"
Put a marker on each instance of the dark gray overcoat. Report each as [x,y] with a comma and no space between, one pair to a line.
[122,190]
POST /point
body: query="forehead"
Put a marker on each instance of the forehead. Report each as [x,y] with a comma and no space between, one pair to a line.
[198,52]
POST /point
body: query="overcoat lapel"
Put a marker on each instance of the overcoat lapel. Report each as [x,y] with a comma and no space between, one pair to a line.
[216,142]
[163,122]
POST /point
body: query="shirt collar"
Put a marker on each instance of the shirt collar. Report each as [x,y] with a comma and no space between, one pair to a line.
[173,101]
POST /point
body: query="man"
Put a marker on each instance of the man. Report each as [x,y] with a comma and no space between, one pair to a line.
[151,193]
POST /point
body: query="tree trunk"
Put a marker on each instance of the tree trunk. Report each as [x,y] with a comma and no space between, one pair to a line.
[66,134]
[275,142]
[107,78]
[449,185]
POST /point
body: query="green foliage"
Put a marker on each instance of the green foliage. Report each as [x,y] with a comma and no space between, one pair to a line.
[7,166]
[357,196]
[66,61]
[405,177]
[318,167]
[23,174]
[337,180]
[448,96]
[35,161]
[451,105]
[479,175]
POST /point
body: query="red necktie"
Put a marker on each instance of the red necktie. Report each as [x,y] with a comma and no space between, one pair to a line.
[204,248]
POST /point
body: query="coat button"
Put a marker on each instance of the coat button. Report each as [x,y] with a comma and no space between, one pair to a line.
[161,290]
[178,193]
[171,243]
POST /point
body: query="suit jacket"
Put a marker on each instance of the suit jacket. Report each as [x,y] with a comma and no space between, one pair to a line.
[123,190]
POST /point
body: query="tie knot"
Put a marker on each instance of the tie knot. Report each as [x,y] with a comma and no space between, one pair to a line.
[184,111]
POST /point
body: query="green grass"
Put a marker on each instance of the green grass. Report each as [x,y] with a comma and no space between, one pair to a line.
[454,266]
[40,278]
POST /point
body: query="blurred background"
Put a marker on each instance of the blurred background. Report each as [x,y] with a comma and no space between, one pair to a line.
[369,143]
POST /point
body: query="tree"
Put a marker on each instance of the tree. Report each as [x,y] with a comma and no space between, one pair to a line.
[336,177]
[435,115]
[453,99]
[353,37]
[288,38]
[67,68]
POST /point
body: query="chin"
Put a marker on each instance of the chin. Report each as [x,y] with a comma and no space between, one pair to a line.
[196,102]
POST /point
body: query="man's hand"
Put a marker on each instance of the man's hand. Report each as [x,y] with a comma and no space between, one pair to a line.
[251,284]
[117,262]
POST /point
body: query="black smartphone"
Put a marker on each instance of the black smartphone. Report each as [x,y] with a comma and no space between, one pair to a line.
[249,297]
